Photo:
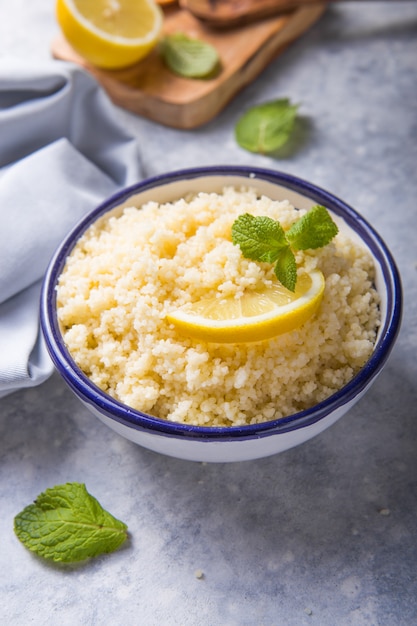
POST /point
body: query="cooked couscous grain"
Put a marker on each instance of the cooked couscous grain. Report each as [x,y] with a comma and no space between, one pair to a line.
[127,272]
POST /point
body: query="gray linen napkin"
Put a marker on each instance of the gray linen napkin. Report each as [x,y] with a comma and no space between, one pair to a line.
[61,153]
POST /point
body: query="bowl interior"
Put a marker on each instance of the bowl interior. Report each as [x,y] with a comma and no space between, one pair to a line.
[277,186]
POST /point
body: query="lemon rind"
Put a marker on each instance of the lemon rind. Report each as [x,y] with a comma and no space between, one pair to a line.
[266,326]
[124,41]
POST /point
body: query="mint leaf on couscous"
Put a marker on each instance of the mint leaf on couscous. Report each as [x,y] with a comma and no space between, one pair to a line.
[263,239]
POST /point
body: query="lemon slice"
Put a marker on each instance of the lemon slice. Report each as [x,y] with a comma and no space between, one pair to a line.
[255,316]
[110,33]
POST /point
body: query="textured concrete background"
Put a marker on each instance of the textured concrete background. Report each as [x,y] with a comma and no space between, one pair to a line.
[324,534]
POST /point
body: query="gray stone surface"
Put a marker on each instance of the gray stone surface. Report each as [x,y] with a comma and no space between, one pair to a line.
[324,534]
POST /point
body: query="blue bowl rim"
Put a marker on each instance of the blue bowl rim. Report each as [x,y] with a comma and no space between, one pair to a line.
[108,406]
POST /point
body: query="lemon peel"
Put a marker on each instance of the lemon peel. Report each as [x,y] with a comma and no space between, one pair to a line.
[255,316]
[110,34]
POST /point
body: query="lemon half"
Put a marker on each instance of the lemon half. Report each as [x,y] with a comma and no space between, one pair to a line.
[255,316]
[110,33]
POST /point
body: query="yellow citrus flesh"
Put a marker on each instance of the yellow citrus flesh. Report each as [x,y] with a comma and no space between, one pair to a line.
[110,33]
[255,316]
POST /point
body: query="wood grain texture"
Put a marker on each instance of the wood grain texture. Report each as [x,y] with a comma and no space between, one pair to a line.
[150,89]
[227,13]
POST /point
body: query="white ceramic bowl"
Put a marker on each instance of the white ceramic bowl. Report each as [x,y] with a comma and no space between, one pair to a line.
[232,443]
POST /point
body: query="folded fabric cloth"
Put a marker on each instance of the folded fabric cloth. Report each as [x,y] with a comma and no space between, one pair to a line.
[62,152]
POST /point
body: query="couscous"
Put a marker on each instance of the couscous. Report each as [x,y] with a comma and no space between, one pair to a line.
[127,272]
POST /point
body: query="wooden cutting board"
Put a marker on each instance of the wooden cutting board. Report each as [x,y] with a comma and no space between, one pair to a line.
[151,90]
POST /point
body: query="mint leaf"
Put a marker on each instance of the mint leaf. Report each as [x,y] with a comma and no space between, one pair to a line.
[286,269]
[266,127]
[314,230]
[259,238]
[66,524]
[263,239]
[191,58]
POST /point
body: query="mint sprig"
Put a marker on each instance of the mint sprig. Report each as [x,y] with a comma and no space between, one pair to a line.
[314,230]
[261,238]
[189,57]
[66,524]
[266,127]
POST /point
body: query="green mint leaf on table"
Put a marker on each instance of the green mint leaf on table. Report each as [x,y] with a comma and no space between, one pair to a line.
[66,524]
[188,57]
[263,239]
[266,127]
[314,230]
